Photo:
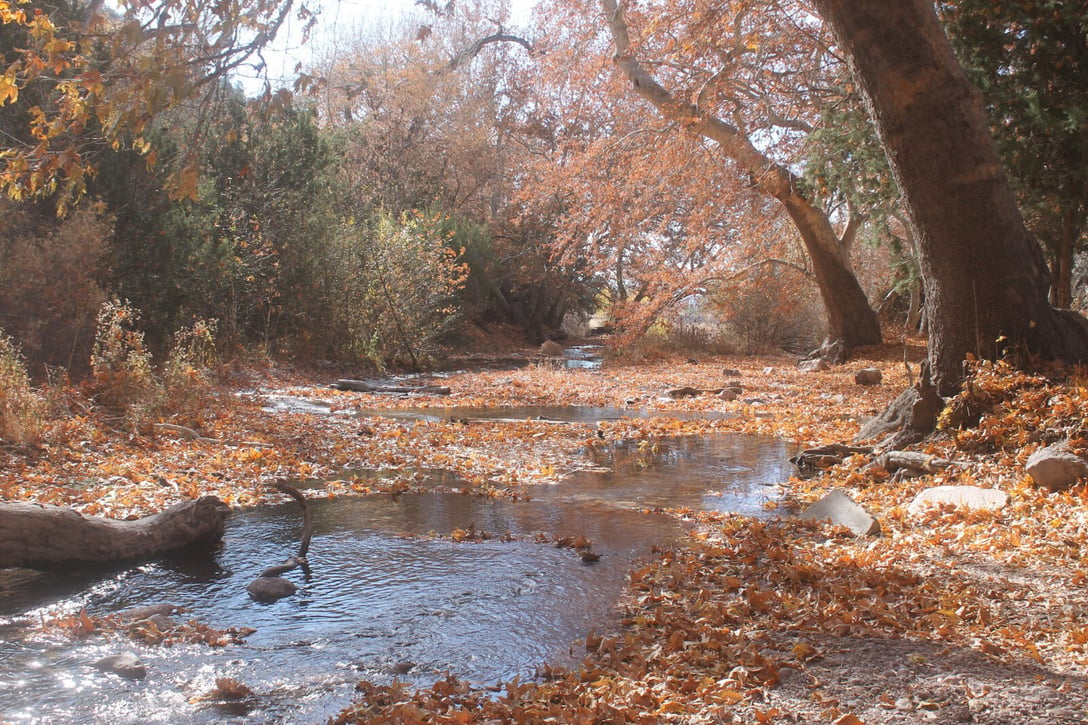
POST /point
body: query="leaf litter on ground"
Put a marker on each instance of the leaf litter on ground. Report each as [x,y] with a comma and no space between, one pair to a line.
[951,615]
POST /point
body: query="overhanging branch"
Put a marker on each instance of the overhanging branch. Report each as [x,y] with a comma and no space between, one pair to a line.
[473,50]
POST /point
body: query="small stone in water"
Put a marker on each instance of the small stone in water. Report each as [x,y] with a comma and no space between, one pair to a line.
[125,664]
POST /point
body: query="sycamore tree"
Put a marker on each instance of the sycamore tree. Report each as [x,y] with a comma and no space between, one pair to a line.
[985,277]
[749,80]
[650,211]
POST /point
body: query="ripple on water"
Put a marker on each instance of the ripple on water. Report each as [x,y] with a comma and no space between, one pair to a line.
[382,594]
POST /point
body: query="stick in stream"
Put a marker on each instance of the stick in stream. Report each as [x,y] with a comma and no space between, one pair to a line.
[270,586]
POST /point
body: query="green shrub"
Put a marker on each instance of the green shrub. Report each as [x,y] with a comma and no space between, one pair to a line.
[396,294]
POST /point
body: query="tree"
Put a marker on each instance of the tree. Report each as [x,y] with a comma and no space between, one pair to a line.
[716,102]
[432,123]
[95,78]
[985,278]
[1031,61]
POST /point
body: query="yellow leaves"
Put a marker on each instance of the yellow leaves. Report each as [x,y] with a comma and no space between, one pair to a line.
[9,15]
[9,90]
[804,652]
[185,184]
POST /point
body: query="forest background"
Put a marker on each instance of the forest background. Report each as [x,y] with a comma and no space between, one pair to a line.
[443,171]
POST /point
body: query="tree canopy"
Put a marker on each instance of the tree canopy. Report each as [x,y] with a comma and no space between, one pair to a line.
[563,184]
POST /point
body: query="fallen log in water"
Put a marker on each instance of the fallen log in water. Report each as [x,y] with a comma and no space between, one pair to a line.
[52,537]
[270,586]
[362,386]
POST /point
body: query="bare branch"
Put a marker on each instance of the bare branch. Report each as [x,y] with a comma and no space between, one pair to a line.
[473,50]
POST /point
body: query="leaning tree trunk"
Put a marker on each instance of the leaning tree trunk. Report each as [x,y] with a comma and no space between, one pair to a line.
[51,537]
[986,282]
[851,321]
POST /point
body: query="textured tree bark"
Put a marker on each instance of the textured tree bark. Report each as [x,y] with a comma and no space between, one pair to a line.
[851,321]
[986,282]
[53,537]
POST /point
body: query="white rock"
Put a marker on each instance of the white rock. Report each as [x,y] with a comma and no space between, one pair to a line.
[971,497]
[841,510]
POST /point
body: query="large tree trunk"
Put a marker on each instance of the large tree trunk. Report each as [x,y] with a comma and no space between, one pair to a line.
[52,537]
[986,282]
[851,321]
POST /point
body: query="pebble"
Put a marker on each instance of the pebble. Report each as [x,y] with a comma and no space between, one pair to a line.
[125,664]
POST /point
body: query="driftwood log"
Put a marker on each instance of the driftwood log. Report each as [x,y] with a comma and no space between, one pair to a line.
[362,386]
[52,537]
[270,585]
[811,460]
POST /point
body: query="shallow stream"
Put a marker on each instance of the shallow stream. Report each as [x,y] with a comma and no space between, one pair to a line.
[389,594]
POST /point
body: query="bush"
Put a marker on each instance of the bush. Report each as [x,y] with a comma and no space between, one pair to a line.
[187,375]
[395,297]
[668,338]
[122,378]
[49,289]
[768,314]
[22,410]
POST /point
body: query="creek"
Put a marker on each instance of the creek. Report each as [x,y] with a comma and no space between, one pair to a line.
[389,593]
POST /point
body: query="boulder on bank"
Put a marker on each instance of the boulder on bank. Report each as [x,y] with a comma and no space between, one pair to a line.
[841,510]
[814,365]
[1056,468]
[969,497]
[868,376]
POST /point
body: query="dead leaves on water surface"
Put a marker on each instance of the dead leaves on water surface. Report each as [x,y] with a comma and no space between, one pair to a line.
[154,630]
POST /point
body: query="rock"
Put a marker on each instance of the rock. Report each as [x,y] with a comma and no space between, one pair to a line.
[551,348]
[730,373]
[971,497]
[125,664]
[728,394]
[841,510]
[868,376]
[1056,468]
[271,588]
[684,392]
[149,611]
[814,365]
[161,622]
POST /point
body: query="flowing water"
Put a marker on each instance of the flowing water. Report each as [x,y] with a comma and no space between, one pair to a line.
[388,594]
